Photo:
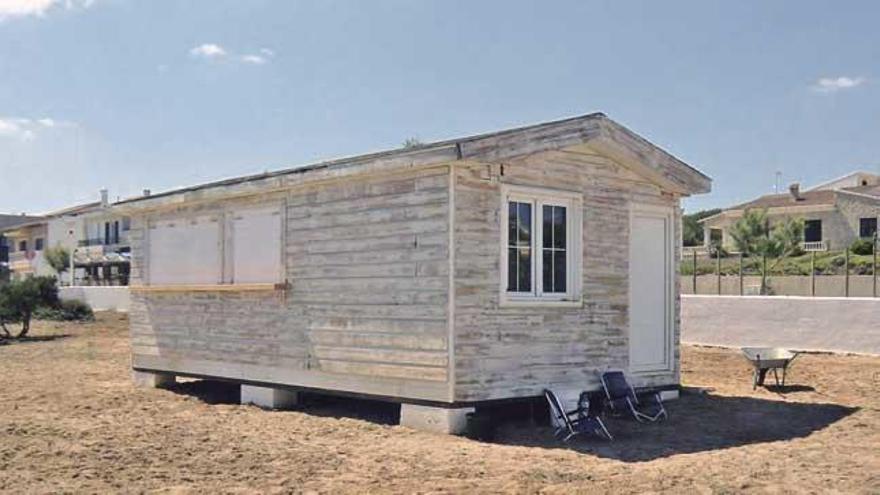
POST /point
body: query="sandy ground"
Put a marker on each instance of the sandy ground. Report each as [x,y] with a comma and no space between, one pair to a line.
[70,421]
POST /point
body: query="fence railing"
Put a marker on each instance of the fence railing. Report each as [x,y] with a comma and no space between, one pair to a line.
[815,273]
[814,246]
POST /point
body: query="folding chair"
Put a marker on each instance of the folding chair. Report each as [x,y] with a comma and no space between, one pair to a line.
[622,398]
[572,423]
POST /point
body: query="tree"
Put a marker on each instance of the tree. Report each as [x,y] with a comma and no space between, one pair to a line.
[412,142]
[58,258]
[19,299]
[753,236]
[692,231]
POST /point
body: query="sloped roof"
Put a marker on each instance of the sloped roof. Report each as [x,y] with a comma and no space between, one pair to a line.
[8,221]
[74,210]
[594,129]
[807,198]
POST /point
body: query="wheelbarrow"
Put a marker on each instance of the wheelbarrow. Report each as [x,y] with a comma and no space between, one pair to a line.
[764,359]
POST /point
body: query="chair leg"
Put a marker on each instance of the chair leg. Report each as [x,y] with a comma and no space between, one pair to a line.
[604,430]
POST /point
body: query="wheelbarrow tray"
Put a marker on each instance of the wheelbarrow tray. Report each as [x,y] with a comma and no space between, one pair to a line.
[764,359]
[768,357]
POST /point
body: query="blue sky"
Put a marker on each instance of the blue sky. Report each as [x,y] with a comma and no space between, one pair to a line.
[133,94]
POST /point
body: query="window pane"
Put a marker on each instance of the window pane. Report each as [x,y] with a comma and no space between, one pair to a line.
[547,226]
[525,224]
[512,218]
[867,227]
[559,271]
[559,227]
[547,269]
[512,264]
[812,230]
[525,270]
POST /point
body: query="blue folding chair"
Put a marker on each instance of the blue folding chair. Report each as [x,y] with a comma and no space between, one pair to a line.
[622,398]
[576,422]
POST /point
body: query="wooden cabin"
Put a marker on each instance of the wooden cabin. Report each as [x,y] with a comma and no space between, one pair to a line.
[441,277]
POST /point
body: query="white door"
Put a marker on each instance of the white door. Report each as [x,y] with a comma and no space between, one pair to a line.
[650,289]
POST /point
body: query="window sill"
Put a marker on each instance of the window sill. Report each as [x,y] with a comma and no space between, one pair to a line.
[540,303]
[209,287]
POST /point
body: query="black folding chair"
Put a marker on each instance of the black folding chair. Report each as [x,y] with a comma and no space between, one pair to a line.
[572,423]
[622,398]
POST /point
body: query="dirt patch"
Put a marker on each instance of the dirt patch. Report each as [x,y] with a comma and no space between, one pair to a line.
[70,421]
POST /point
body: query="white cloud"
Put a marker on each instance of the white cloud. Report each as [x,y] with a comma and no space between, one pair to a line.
[207,50]
[834,84]
[24,8]
[15,129]
[253,59]
[23,129]
[217,52]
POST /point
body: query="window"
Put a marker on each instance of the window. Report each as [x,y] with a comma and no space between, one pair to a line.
[540,245]
[813,231]
[185,251]
[116,232]
[106,233]
[236,247]
[126,224]
[22,245]
[867,227]
[38,244]
[716,237]
[256,246]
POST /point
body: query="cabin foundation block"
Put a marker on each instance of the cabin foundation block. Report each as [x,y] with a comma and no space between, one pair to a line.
[152,380]
[269,398]
[434,419]
[666,395]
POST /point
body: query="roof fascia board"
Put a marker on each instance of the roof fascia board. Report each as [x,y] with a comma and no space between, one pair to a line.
[649,160]
[775,210]
[268,186]
[857,194]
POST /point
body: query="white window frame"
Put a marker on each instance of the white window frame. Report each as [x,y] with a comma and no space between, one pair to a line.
[538,198]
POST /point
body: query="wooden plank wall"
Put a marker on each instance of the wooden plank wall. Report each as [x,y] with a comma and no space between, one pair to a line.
[505,352]
[366,311]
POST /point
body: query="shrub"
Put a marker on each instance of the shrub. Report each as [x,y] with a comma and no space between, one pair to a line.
[71,310]
[862,246]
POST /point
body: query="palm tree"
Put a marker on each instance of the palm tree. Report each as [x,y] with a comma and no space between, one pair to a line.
[753,236]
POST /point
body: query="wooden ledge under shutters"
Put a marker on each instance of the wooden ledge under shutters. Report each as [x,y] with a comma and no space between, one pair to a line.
[210,288]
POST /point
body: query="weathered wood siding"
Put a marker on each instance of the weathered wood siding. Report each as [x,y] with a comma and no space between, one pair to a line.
[505,352]
[368,266]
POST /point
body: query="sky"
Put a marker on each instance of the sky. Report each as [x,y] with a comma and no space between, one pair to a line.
[157,94]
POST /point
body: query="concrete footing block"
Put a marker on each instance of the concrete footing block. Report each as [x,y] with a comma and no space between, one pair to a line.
[269,398]
[150,379]
[434,419]
[666,395]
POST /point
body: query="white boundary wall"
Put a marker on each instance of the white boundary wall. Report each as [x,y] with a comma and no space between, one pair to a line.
[802,323]
[99,298]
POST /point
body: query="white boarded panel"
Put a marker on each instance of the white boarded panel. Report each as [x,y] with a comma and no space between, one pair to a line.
[185,251]
[256,246]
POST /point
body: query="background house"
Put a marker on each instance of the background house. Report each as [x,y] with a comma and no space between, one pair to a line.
[94,232]
[835,213]
[99,238]
[10,244]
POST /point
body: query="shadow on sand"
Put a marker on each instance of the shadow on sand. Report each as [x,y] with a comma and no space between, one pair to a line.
[697,422]
[222,392]
[30,339]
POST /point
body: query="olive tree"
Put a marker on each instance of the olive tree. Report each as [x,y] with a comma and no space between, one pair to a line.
[19,299]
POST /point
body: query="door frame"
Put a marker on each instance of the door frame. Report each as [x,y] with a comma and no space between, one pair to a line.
[668,214]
